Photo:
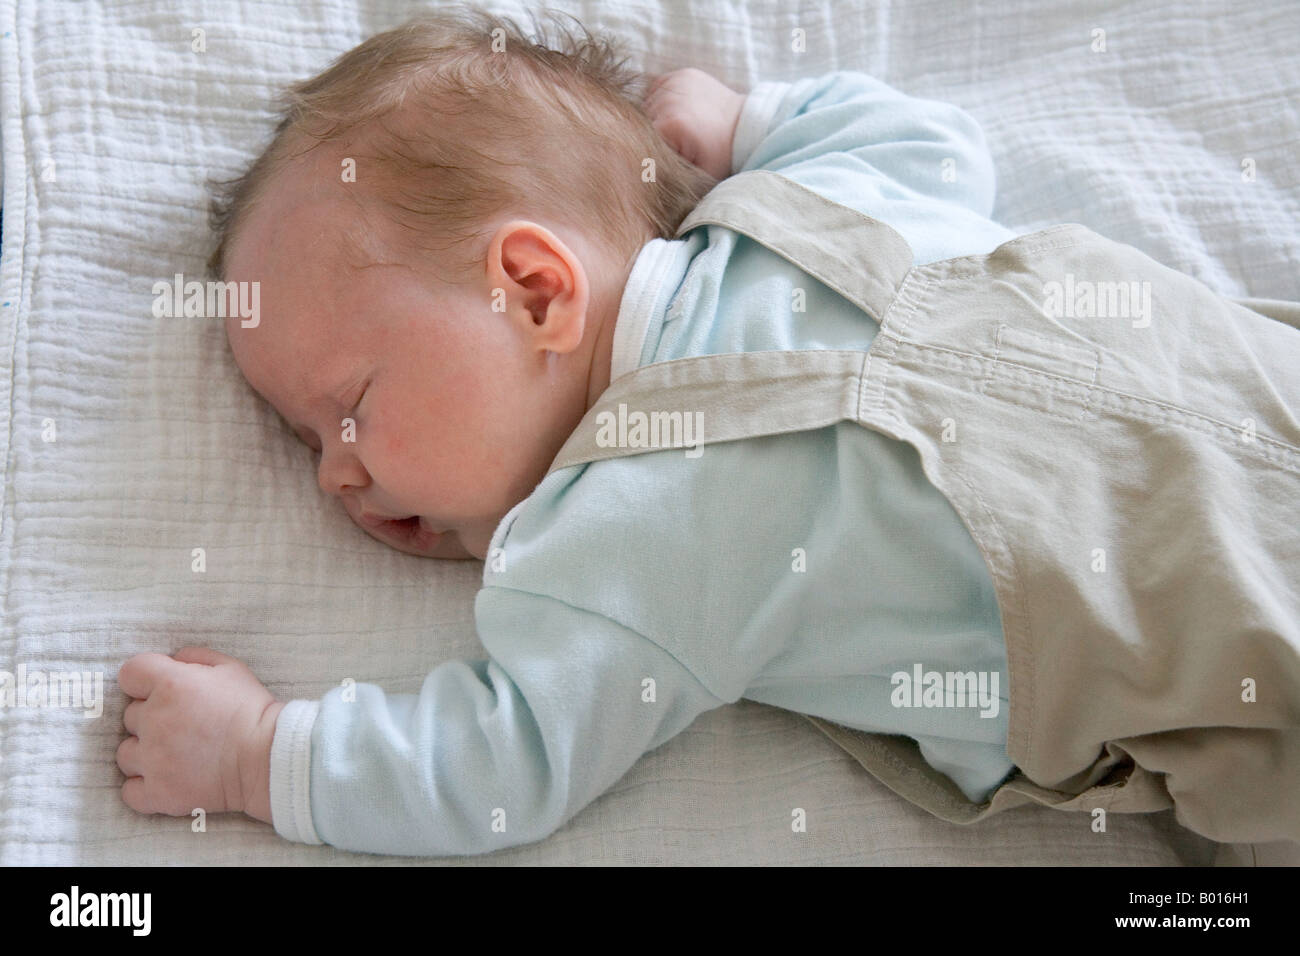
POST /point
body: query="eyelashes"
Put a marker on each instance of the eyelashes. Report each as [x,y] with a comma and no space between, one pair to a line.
[357,404]
[308,438]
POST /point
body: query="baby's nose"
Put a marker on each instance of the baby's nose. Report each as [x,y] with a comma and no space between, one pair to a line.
[340,470]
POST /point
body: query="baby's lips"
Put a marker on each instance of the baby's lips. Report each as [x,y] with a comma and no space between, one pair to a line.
[425,537]
[421,533]
[373,521]
[420,538]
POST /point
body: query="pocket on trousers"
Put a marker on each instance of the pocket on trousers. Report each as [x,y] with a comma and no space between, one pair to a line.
[1041,371]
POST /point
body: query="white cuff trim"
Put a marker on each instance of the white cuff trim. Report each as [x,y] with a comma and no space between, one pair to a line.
[291,772]
[760,106]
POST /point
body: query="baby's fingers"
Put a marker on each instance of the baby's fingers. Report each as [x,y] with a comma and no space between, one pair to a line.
[655,104]
[138,675]
[135,796]
[669,78]
[666,89]
[131,717]
[128,757]
[147,795]
[203,655]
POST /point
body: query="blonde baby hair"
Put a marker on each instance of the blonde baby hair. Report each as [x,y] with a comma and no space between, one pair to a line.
[460,116]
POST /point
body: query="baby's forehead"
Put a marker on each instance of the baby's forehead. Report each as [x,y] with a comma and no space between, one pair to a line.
[345,228]
[290,231]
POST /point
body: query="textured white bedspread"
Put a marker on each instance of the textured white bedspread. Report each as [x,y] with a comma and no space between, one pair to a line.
[111,125]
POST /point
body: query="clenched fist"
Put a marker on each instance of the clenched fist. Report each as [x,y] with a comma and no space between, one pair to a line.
[201,729]
[697,115]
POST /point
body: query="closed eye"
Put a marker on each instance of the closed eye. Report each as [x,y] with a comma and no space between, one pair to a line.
[357,404]
[308,438]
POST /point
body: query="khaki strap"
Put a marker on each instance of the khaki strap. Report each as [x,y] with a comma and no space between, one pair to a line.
[861,258]
[749,394]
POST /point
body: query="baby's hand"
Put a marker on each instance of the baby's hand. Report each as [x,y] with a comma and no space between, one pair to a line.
[697,116]
[202,726]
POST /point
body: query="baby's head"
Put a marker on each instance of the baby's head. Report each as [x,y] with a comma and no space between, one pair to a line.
[442,228]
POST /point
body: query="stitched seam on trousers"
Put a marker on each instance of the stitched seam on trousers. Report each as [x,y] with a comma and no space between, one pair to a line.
[903,299]
[987,378]
[1174,414]
[1028,660]
[1094,359]
[893,338]
[905,295]
[864,376]
[1274,452]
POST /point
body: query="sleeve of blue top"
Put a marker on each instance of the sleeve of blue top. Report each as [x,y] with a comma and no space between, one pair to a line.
[857,140]
[496,753]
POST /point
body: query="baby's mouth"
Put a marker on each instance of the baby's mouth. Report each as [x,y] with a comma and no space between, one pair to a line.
[413,529]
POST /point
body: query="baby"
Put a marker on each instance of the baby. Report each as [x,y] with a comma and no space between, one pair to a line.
[473,249]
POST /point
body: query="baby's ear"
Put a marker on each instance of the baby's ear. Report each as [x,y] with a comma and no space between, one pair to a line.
[542,284]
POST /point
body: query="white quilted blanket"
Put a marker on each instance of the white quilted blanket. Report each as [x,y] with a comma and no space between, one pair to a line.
[128,441]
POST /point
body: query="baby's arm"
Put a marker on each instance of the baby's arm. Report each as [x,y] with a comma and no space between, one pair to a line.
[489,754]
[922,166]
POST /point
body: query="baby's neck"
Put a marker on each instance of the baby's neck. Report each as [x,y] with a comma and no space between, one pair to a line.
[606,312]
